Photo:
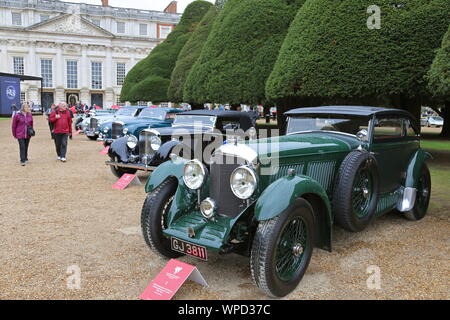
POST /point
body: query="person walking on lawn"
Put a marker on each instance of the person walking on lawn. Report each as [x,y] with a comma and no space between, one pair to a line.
[22,121]
[62,120]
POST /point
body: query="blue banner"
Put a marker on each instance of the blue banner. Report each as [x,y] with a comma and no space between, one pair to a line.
[9,95]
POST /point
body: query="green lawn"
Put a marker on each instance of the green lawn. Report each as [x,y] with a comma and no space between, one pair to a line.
[436,144]
[4,119]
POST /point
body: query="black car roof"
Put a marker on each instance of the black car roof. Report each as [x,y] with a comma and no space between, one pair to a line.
[217,113]
[365,111]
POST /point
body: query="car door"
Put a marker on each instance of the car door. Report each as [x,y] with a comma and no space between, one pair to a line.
[393,146]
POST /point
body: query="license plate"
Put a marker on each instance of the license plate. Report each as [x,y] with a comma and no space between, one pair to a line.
[189,249]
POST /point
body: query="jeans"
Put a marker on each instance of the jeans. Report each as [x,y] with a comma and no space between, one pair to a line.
[61,140]
[23,147]
[51,126]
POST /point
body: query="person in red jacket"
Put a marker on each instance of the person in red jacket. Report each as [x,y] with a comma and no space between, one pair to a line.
[62,120]
[21,122]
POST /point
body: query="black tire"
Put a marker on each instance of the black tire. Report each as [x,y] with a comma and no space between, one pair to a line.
[422,198]
[352,191]
[119,172]
[92,138]
[155,208]
[266,273]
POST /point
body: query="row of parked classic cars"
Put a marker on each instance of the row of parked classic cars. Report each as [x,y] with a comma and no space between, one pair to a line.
[273,199]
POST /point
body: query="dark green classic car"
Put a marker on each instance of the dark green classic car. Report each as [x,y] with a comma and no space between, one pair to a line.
[276,199]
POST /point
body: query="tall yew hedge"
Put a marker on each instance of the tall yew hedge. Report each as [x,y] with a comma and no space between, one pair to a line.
[150,78]
[439,80]
[189,55]
[330,55]
[240,52]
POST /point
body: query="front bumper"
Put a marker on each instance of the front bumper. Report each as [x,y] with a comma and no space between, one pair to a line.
[141,167]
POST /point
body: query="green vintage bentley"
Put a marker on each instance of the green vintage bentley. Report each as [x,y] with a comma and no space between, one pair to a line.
[276,199]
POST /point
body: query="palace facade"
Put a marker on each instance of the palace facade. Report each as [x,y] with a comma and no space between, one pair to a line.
[83,52]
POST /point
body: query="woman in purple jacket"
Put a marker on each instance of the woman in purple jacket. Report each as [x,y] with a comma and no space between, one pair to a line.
[21,122]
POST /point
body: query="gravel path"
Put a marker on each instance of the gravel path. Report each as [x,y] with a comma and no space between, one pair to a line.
[55,215]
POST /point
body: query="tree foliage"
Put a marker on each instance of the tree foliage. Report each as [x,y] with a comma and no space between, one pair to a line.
[240,52]
[439,75]
[330,55]
[190,54]
[149,79]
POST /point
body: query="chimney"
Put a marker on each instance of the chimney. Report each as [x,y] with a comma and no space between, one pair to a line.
[105,3]
[171,8]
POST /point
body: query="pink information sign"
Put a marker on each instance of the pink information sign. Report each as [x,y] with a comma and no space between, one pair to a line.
[124,181]
[170,280]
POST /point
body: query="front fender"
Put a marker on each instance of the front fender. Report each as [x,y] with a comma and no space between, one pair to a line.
[173,168]
[283,193]
[119,148]
[164,152]
[415,167]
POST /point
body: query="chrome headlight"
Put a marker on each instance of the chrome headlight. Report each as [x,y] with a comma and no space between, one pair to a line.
[194,174]
[132,142]
[155,142]
[125,131]
[106,130]
[208,208]
[243,182]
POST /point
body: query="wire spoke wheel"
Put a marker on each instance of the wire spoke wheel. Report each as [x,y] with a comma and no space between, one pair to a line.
[290,249]
[362,192]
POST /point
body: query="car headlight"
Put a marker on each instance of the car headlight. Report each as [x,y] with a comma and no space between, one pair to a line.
[132,142]
[125,131]
[106,130]
[194,174]
[208,208]
[155,142]
[243,182]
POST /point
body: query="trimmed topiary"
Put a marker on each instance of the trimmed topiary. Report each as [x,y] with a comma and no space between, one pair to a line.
[189,55]
[439,75]
[240,52]
[439,81]
[157,68]
[331,56]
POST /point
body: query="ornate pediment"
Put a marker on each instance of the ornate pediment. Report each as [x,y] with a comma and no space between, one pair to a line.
[70,24]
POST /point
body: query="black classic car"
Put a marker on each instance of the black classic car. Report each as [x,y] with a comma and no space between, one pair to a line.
[155,145]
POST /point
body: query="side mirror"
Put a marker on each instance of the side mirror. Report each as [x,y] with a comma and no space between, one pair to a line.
[363,135]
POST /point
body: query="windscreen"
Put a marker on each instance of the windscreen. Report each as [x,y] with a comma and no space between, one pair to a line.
[153,113]
[191,120]
[338,123]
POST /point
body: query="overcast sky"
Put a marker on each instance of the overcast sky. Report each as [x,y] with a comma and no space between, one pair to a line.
[158,5]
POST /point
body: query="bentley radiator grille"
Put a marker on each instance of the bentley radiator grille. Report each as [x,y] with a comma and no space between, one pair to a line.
[93,124]
[144,143]
[117,130]
[227,203]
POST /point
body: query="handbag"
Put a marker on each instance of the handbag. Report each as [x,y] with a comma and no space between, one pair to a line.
[30,131]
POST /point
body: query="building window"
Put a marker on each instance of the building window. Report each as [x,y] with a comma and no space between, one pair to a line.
[22,96]
[18,66]
[164,31]
[16,18]
[96,22]
[120,27]
[96,69]
[47,73]
[120,73]
[44,17]
[143,29]
[72,74]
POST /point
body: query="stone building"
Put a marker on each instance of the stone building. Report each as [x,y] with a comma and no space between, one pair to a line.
[81,51]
